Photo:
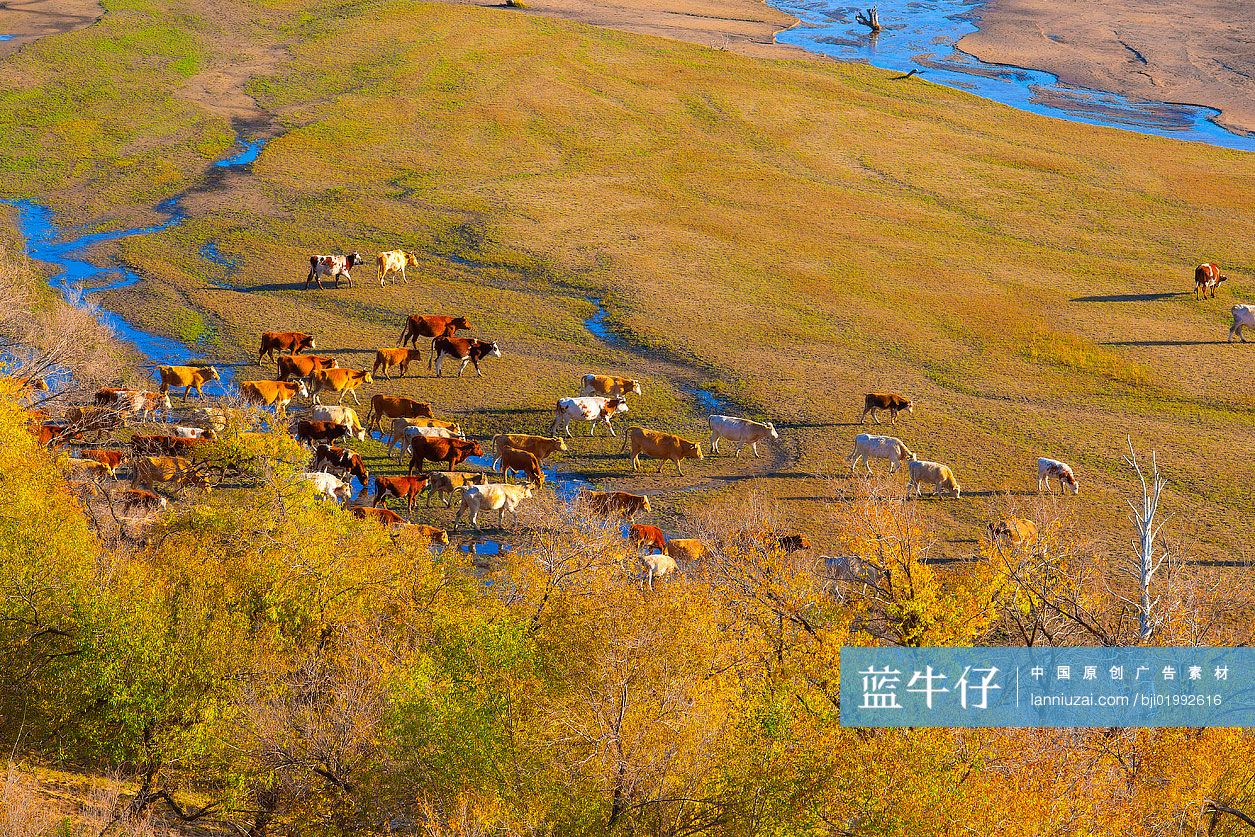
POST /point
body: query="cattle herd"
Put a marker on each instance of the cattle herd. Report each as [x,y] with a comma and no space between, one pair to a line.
[176,458]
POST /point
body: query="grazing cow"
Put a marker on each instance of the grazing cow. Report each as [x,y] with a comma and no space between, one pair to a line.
[341,415]
[165,445]
[891,401]
[53,433]
[687,549]
[447,483]
[93,467]
[493,497]
[340,461]
[868,447]
[138,498]
[432,534]
[394,261]
[302,366]
[665,447]
[609,386]
[648,537]
[277,393]
[332,267]
[1047,468]
[1243,317]
[342,381]
[541,447]
[467,350]
[792,543]
[402,488]
[769,540]
[939,476]
[451,451]
[385,359]
[384,517]
[188,377]
[742,431]
[292,342]
[111,459]
[513,459]
[592,409]
[97,420]
[400,426]
[433,326]
[614,503]
[402,437]
[308,432]
[191,432]
[134,402]
[215,418]
[658,565]
[148,471]
[1012,531]
[1207,278]
[328,485]
[855,568]
[393,407]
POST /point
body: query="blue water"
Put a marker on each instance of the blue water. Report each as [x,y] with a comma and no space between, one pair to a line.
[249,151]
[921,35]
[76,278]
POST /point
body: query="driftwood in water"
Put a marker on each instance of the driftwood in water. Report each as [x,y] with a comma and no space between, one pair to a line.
[869,19]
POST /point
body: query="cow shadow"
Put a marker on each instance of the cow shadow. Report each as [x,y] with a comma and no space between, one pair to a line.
[813,425]
[1154,297]
[1152,343]
[272,286]
[486,411]
[1016,492]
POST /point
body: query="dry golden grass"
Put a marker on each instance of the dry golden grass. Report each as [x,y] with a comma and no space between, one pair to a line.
[791,233]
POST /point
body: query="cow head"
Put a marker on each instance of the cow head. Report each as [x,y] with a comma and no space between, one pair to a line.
[771,430]
[476,449]
[211,373]
[560,441]
[306,341]
[353,259]
[301,389]
[527,489]
[690,450]
[343,492]
[635,388]
[367,378]
[616,405]
[910,407]
[458,324]
[163,402]
[645,505]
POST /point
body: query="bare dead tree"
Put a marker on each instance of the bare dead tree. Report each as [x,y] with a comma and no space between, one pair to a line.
[1146,559]
[869,18]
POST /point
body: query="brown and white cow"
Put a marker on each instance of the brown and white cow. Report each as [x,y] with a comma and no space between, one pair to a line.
[394,407]
[273,393]
[1012,531]
[333,267]
[665,447]
[302,366]
[111,459]
[1047,468]
[891,401]
[448,483]
[394,261]
[1207,278]
[592,409]
[148,471]
[340,461]
[309,431]
[432,326]
[467,350]
[609,385]
[292,342]
[340,381]
[385,359]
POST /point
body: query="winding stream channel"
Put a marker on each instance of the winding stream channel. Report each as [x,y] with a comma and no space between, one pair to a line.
[921,35]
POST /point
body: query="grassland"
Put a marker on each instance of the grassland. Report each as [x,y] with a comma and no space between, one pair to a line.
[792,234]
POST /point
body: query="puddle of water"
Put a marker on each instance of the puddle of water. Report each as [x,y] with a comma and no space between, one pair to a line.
[922,36]
[246,154]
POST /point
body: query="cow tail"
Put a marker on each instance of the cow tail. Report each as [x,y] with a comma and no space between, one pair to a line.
[626,433]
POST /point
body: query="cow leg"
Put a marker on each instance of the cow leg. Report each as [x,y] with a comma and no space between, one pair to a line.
[875,418]
[714,442]
[754,448]
[893,418]
[636,463]
[356,400]
[478,372]
[439,363]
[739,448]
[462,368]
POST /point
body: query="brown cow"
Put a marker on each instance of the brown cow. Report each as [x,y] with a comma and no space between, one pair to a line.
[308,432]
[302,366]
[97,420]
[770,540]
[650,537]
[402,488]
[890,401]
[1207,278]
[447,483]
[609,385]
[293,342]
[452,451]
[165,445]
[150,470]
[111,459]
[661,446]
[384,516]
[387,358]
[614,503]
[541,447]
[340,381]
[513,459]
[188,377]
[53,433]
[434,534]
[133,498]
[278,393]
[466,350]
[687,549]
[433,326]
[394,407]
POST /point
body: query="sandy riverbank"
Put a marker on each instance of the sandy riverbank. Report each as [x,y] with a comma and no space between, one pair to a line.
[745,26]
[1202,53]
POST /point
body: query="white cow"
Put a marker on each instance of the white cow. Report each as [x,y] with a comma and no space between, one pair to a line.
[935,474]
[1243,317]
[1047,468]
[340,415]
[740,430]
[658,565]
[401,443]
[592,409]
[182,432]
[329,486]
[493,496]
[868,447]
[854,568]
